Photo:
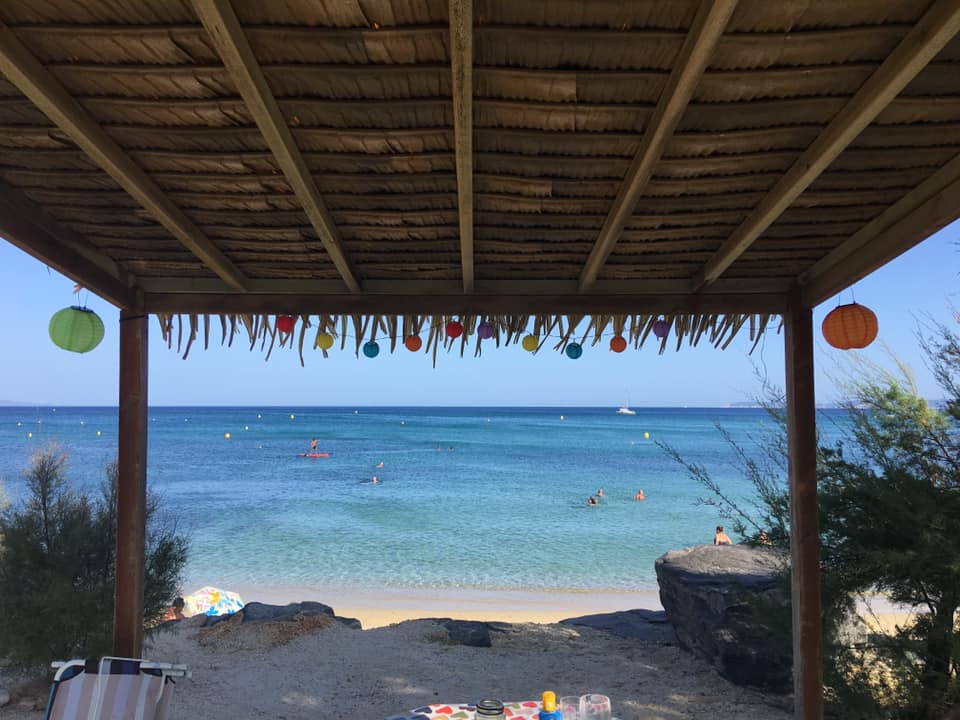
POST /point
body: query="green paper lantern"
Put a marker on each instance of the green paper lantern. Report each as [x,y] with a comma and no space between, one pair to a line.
[76,329]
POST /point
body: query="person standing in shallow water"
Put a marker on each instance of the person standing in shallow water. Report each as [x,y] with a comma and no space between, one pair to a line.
[721,538]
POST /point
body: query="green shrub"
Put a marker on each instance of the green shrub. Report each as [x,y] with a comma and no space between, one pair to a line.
[58,564]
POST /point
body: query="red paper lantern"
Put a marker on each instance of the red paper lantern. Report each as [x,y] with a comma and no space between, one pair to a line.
[850,326]
[618,344]
[454,329]
[413,343]
[285,323]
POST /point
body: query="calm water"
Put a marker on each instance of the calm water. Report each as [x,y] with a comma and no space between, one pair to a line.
[469,497]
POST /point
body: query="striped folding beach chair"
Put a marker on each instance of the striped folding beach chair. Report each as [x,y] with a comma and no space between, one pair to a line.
[112,689]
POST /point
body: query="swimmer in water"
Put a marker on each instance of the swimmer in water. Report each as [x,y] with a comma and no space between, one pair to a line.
[380,464]
[600,493]
[374,480]
[591,500]
[640,495]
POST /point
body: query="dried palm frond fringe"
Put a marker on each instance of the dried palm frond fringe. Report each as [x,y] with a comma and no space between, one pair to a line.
[719,330]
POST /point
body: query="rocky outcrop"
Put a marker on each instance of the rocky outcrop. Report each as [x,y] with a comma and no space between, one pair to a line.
[256,612]
[713,596]
[646,625]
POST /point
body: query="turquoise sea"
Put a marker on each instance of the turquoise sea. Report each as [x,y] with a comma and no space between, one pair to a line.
[492,498]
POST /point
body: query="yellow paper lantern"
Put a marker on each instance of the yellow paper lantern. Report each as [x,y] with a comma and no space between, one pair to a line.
[530,343]
[850,326]
[324,341]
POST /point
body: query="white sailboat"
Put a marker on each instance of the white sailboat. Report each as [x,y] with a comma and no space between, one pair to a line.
[625,410]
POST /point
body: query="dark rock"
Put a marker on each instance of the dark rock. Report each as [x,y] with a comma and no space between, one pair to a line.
[4,697]
[256,612]
[352,623]
[468,632]
[647,625]
[711,594]
[261,612]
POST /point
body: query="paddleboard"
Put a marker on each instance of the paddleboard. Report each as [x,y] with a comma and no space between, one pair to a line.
[315,455]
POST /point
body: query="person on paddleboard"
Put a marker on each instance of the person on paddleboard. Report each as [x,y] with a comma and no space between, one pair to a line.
[313,446]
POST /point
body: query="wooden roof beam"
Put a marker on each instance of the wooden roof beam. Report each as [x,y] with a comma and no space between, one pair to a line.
[44,90]
[917,215]
[231,42]
[458,303]
[708,26]
[931,33]
[29,228]
[461,60]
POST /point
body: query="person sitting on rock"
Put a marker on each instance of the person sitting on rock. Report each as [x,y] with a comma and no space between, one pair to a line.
[721,538]
[175,612]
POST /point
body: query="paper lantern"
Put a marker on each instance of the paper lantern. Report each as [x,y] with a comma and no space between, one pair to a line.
[76,329]
[661,328]
[285,323]
[324,341]
[618,344]
[530,343]
[574,351]
[454,329]
[485,330]
[371,349]
[413,343]
[850,326]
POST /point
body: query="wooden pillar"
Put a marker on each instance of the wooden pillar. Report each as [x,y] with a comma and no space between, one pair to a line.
[132,490]
[804,526]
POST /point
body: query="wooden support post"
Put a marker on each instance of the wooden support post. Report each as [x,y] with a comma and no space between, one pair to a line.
[804,526]
[132,490]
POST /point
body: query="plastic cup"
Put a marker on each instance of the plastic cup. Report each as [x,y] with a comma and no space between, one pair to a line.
[570,707]
[594,707]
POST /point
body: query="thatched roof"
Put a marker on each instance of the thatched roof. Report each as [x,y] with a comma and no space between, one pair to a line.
[550,157]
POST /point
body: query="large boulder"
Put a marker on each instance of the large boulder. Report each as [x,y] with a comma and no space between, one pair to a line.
[717,598]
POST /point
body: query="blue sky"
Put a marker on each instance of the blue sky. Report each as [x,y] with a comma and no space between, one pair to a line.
[921,282]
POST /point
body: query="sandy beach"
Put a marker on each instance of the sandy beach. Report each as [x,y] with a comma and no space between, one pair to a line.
[330,671]
[377,607]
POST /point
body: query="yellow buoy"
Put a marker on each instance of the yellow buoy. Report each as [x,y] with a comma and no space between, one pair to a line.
[646,436]
[98,433]
[246,427]
[292,416]
[561,417]
[227,435]
[29,435]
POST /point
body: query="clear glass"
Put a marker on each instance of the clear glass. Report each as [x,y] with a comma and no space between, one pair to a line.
[569,707]
[594,707]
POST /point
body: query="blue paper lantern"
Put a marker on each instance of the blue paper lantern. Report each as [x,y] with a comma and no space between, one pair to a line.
[371,349]
[76,329]
[574,351]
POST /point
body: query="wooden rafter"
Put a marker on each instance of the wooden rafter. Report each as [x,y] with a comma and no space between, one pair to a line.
[224,29]
[36,233]
[920,213]
[708,26]
[456,302]
[23,70]
[933,31]
[461,57]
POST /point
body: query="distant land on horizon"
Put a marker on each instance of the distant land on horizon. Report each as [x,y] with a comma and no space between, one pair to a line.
[687,406]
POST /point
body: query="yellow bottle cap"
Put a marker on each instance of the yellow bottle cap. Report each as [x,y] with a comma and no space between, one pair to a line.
[549,701]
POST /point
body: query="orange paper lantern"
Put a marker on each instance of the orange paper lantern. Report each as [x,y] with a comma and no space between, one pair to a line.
[413,343]
[850,326]
[618,344]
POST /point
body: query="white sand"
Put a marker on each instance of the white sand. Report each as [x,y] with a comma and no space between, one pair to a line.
[336,672]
